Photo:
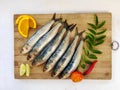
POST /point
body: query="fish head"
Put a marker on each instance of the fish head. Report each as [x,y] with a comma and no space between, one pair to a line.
[25,49]
[31,56]
[37,62]
[64,75]
[53,74]
[47,67]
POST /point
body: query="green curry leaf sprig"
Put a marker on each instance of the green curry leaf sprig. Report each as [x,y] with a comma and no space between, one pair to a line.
[94,37]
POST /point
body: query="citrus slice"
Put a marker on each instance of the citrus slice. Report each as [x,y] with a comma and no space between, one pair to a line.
[32,21]
[22,69]
[19,18]
[27,70]
[23,26]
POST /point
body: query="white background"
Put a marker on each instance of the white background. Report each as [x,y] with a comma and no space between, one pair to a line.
[10,7]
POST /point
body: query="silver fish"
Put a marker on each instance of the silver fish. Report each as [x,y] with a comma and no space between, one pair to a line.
[72,66]
[65,59]
[49,49]
[43,42]
[37,35]
[59,52]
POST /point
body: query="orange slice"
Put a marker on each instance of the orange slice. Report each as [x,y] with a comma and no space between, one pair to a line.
[32,21]
[23,26]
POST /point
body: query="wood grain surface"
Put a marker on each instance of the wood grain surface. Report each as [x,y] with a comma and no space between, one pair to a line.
[102,69]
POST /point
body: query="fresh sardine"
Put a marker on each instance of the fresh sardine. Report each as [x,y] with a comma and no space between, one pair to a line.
[65,59]
[50,48]
[43,42]
[72,66]
[59,52]
[37,35]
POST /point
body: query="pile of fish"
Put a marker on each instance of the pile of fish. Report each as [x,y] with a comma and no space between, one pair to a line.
[51,45]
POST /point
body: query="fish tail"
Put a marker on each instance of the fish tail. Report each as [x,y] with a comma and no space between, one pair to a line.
[71,27]
[79,33]
[56,19]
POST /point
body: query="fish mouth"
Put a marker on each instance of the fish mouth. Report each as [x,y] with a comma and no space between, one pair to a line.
[30,57]
[53,74]
[33,63]
[23,51]
[45,69]
[60,76]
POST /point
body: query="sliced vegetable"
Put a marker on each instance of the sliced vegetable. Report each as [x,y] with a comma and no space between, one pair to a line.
[23,27]
[27,70]
[22,69]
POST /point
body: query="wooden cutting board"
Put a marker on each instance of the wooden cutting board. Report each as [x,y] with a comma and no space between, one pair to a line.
[102,69]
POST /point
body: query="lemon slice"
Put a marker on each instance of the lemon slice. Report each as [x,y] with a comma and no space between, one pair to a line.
[32,21]
[22,69]
[27,70]
[23,27]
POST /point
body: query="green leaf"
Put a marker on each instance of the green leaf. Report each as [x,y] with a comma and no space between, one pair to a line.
[83,66]
[88,61]
[97,52]
[82,63]
[92,31]
[100,25]
[92,56]
[90,35]
[89,38]
[100,37]
[89,46]
[86,51]
[90,43]
[96,20]
[99,42]
[92,26]
[101,32]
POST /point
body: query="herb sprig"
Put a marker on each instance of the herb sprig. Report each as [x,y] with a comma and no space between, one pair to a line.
[94,37]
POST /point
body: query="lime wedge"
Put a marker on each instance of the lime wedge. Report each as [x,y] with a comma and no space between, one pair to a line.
[27,70]
[22,69]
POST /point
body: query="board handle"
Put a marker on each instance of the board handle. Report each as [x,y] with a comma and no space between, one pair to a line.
[115,45]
